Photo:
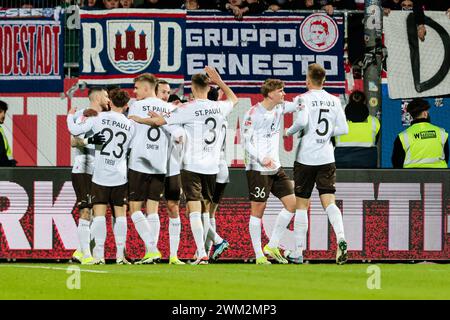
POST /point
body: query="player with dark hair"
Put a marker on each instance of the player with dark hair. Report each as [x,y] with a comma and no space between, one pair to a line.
[83,168]
[109,180]
[222,179]
[163,90]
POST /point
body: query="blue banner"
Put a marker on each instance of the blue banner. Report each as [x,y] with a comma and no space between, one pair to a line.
[273,45]
[395,119]
[117,45]
[32,51]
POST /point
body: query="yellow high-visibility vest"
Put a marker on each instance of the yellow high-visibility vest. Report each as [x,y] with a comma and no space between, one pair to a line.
[424,146]
[7,147]
[360,134]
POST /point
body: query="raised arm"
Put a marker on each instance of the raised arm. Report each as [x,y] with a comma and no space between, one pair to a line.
[76,129]
[296,105]
[215,77]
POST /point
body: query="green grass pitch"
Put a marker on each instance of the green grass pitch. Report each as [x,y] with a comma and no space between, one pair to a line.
[223,281]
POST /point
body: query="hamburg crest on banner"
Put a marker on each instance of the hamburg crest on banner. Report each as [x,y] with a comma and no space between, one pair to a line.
[319,32]
[131,44]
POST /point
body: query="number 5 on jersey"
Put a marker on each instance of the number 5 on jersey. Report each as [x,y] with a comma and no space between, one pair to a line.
[322,118]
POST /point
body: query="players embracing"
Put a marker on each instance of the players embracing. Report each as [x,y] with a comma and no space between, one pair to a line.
[183,147]
[202,120]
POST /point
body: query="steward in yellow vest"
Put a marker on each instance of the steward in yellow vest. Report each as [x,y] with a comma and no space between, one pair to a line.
[6,159]
[422,145]
[358,148]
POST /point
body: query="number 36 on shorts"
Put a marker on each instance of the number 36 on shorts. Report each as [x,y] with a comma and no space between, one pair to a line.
[259,193]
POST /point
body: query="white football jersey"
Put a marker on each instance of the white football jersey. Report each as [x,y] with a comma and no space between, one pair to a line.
[223,176]
[149,148]
[223,138]
[175,151]
[260,131]
[326,119]
[110,166]
[83,157]
[202,120]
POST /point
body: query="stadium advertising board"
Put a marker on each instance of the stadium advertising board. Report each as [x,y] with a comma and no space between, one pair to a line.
[31,50]
[117,45]
[387,214]
[415,68]
[272,45]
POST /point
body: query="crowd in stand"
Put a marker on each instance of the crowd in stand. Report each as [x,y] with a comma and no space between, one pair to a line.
[239,8]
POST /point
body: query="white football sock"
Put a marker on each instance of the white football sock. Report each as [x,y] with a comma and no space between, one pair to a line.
[300,230]
[283,219]
[99,230]
[209,239]
[197,231]
[212,222]
[84,237]
[142,227]
[120,235]
[335,217]
[255,234]
[174,235]
[205,220]
[214,236]
[155,226]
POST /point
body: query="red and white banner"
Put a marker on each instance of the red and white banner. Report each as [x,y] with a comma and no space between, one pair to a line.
[31,50]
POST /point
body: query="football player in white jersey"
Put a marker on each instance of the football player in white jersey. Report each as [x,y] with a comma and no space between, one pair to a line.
[148,164]
[222,179]
[261,136]
[202,120]
[109,180]
[314,163]
[172,184]
[83,168]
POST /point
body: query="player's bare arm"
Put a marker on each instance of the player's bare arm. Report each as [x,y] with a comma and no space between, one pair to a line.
[72,111]
[215,77]
[76,142]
